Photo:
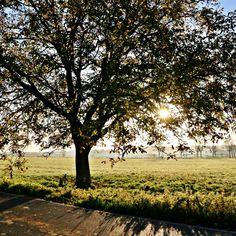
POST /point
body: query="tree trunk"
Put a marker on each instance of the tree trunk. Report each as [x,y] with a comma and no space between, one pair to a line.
[83,179]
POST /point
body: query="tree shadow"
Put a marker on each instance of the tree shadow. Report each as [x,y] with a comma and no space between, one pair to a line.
[12,202]
[132,226]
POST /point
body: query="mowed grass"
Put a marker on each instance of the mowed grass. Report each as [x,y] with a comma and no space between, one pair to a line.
[193,191]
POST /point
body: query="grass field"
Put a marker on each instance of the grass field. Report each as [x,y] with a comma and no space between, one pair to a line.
[194,191]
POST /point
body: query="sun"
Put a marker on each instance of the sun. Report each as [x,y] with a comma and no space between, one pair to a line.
[163,113]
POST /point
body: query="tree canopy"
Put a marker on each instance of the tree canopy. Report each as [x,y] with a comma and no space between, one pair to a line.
[74,72]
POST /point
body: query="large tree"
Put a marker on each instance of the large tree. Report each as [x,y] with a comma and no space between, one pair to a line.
[76,71]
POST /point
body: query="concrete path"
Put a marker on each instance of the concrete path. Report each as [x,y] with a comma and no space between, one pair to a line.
[24,216]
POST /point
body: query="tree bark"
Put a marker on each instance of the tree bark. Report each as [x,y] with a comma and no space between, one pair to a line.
[83,178]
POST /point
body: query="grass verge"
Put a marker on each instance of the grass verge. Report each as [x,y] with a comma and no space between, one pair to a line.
[202,196]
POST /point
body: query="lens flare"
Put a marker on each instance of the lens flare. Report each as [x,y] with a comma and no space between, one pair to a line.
[164,113]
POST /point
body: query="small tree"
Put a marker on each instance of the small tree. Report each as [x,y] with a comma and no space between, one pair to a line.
[14,164]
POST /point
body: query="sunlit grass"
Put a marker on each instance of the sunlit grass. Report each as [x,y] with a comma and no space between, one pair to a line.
[195,191]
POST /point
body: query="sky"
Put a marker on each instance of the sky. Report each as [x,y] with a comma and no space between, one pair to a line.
[228,5]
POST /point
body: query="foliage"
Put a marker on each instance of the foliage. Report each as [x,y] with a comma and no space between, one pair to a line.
[78,71]
[189,191]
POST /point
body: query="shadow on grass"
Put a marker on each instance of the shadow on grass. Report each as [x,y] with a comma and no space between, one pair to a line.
[25,189]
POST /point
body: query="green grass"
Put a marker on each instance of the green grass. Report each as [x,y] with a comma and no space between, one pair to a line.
[195,191]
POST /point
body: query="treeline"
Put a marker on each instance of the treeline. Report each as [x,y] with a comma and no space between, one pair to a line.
[201,151]
[159,152]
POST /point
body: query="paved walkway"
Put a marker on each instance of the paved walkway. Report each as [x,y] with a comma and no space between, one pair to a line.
[24,216]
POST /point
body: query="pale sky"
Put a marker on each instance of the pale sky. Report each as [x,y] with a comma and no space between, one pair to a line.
[228,5]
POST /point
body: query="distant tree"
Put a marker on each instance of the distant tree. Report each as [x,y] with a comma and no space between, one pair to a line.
[74,72]
[213,149]
[198,150]
[231,147]
[63,153]
[199,146]
[233,150]
[161,151]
